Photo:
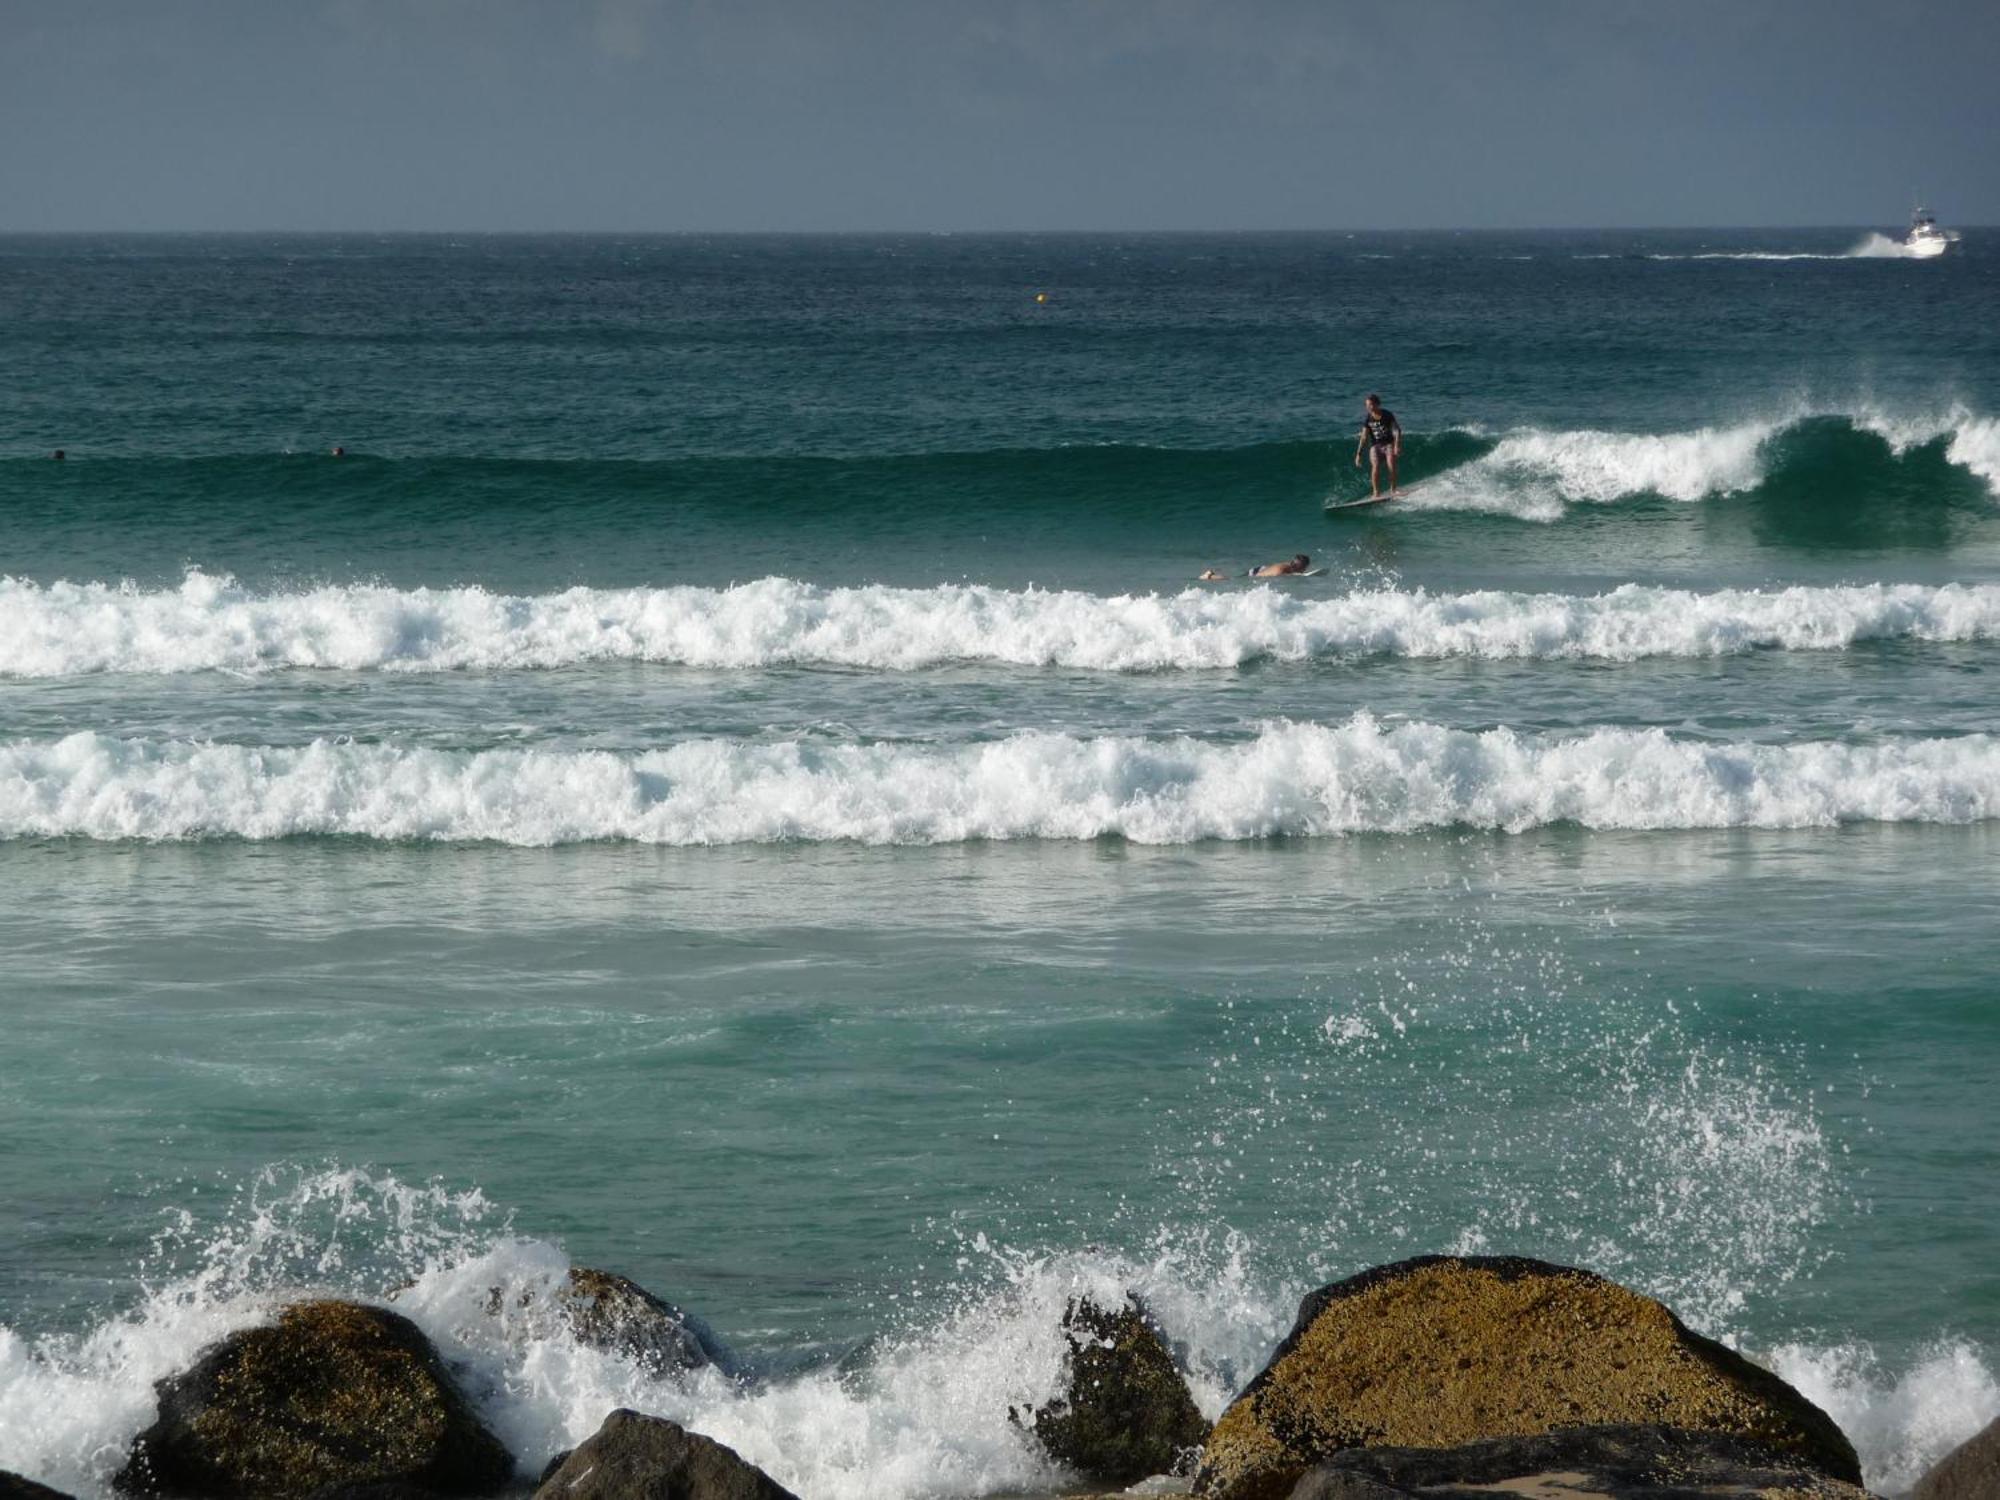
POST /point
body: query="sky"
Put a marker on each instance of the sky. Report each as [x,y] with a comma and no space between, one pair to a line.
[715,115]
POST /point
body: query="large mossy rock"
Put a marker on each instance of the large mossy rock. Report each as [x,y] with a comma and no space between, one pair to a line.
[332,1393]
[607,1311]
[1971,1471]
[1442,1351]
[17,1487]
[1126,1412]
[1591,1463]
[636,1457]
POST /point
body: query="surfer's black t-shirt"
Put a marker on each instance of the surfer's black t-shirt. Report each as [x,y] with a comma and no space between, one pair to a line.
[1382,428]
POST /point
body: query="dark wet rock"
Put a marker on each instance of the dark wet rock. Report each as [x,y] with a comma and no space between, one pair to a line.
[549,1468]
[1442,1351]
[610,1312]
[1126,1413]
[388,1489]
[18,1487]
[332,1393]
[1590,1463]
[1971,1471]
[614,1313]
[636,1457]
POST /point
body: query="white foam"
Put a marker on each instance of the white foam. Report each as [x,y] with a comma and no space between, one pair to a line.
[1879,247]
[1974,440]
[211,623]
[1301,780]
[1868,247]
[923,1413]
[71,1405]
[1901,1421]
[1975,445]
[1534,473]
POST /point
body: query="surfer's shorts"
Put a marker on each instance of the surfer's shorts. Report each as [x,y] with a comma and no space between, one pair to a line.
[1383,450]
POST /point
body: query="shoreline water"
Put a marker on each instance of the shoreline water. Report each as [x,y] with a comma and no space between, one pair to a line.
[323,786]
[921,1413]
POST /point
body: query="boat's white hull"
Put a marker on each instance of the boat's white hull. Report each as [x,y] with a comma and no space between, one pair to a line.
[1927,248]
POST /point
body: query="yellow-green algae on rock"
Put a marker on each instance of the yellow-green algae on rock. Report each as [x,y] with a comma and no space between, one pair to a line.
[1442,1351]
[331,1393]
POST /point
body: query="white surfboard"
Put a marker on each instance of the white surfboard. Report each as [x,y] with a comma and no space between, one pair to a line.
[1367,500]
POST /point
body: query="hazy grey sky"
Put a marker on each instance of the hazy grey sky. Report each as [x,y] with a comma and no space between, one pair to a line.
[1001,114]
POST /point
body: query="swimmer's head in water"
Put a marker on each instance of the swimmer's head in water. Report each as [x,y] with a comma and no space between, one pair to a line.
[1301,561]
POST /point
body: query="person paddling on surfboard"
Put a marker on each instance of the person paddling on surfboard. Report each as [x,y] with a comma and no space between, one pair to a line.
[1382,435]
[1298,564]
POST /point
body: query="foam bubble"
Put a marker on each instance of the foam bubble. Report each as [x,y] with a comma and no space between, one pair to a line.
[1303,780]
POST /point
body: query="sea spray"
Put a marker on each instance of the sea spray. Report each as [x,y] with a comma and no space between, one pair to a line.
[213,624]
[1554,1113]
[1600,1126]
[1901,1420]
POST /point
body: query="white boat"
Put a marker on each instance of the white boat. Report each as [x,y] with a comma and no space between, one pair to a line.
[1925,240]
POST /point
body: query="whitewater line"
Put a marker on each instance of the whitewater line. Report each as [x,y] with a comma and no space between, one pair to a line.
[211,624]
[1291,779]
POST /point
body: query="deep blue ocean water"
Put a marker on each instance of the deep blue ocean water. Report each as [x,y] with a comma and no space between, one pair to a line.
[731,779]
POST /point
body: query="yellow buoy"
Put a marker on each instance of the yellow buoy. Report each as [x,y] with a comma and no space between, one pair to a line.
[1041,296]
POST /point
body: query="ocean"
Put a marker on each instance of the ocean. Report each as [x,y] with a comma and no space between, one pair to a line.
[731,779]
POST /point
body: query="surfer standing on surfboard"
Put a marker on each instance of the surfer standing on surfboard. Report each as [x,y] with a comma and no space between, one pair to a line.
[1382,436]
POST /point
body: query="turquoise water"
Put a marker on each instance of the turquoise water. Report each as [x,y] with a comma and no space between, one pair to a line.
[731,780]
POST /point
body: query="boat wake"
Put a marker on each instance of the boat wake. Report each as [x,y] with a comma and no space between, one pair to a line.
[1872,246]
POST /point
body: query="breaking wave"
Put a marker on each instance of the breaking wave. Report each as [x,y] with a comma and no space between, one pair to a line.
[212,624]
[197,507]
[1290,780]
[1842,460]
[919,1410]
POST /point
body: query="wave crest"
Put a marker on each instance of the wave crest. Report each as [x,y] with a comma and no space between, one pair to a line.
[1298,780]
[1535,474]
[211,624]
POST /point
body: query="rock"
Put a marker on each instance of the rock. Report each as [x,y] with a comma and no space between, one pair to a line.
[1126,1413]
[549,1468]
[333,1393]
[1442,1351]
[1589,1463]
[609,1312]
[17,1487]
[388,1489]
[1971,1471]
[636,1457]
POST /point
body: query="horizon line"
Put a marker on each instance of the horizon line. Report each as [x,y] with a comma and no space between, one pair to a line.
[10,233]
